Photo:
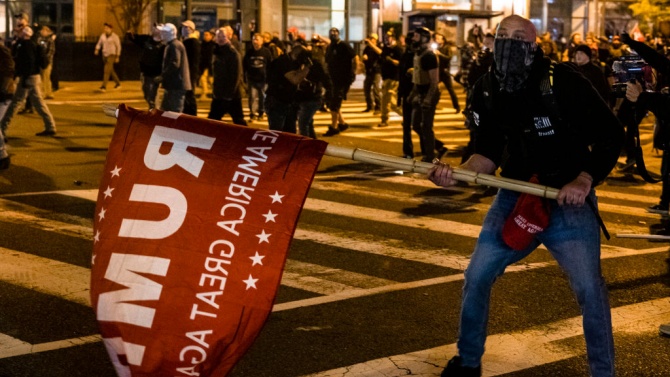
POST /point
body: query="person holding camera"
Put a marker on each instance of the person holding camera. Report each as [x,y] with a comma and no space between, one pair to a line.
[659,104]
[371,60]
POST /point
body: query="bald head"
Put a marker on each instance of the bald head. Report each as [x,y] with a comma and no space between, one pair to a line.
[516,27]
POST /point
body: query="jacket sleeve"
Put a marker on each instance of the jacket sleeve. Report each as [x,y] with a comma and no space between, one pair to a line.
[591,119]
[657,103]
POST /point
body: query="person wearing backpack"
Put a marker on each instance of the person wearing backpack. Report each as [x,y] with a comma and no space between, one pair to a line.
[543,123]
[29,59]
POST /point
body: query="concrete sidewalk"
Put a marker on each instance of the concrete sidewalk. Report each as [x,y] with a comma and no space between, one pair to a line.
[89,91]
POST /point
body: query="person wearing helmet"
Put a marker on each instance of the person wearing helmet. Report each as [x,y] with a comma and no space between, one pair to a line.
[175,76]
[425,94]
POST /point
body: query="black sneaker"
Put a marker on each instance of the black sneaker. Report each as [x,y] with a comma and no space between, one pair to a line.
[661,209]
[367,110]
[4,163]
[441,152]
[46,133]
[331,132]
[342,127]
[455,369]
[626,167]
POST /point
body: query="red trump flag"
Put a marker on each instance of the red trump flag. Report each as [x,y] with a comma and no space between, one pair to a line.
[192,225]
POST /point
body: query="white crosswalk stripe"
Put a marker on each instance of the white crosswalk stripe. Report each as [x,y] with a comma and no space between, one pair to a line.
[532,346]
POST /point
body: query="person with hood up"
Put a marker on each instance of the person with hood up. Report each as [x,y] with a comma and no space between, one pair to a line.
[175,76]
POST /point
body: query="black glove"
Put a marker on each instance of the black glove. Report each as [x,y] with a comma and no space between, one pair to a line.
[625,38]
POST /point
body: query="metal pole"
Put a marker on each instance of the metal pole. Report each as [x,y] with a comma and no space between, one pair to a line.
[7,20]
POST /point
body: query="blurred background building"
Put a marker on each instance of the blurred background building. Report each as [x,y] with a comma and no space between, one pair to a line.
[80,21]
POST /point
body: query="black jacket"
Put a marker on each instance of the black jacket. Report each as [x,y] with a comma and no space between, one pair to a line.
[578,133]
[27,57]
[227,70]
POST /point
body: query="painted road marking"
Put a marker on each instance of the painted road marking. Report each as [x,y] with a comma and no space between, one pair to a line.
[512,352]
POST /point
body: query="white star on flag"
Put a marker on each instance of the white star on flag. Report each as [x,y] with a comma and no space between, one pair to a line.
[116,171]
[250,282]
[102,213]
[108,192]
[93,259]
[276,197]
[258,259]
[263,237]
[96,238]
[270,216]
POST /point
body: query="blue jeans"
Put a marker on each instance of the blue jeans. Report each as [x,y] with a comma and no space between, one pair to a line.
[573,238]
[256,97]
[306,111]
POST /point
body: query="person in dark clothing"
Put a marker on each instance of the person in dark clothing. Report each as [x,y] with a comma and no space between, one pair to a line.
[205,70]
[226,90]
[151,63]
[7,89]
[517,128]
[192,46]
[425,94]
[445,54]
[592,72]
[390,59]
[284,75]
[175,76]
[341,64]
[405,85]
[657,102]
[255,64]
[29,59]
[371,60]
[309,93]
[479,68]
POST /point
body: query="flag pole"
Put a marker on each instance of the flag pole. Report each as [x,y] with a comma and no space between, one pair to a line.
[413,166]
[463,175]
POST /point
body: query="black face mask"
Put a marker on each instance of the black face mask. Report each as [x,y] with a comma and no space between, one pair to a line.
[513,60]
[334,38]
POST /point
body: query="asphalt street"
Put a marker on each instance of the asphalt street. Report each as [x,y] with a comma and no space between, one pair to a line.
[373,280]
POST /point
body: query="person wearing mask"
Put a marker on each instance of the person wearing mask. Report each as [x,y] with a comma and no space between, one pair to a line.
[47,41]
[175,76]
[29,59]
[341,64]
[205,71]
[573,151]
[192,45]
[425,94]
[444,54]
[151,62]
[255,63]
[390,59]
[110,46]
[371,62]
[226,89]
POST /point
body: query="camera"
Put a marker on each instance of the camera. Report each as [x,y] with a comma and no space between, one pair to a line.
[626,69]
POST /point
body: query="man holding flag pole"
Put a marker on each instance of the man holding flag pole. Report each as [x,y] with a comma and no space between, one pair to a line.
[557,131]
